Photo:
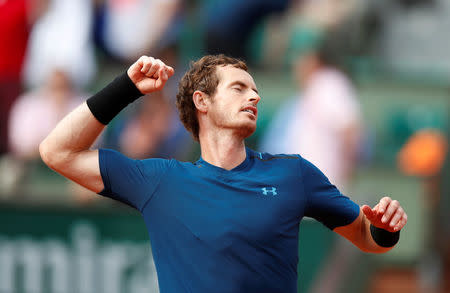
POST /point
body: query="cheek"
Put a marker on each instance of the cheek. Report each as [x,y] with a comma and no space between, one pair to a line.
[225,108]
[219,113]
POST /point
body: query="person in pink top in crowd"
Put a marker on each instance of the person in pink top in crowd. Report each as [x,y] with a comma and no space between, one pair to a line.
[33,115]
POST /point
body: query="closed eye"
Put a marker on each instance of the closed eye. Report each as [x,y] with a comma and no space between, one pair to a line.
[240,86]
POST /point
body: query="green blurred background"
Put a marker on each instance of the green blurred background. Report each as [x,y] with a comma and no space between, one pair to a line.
[53,234]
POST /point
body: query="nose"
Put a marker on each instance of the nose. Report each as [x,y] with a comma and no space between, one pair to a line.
[255,98]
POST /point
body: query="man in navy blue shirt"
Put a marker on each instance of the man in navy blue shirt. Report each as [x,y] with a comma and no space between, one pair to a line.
[228,222]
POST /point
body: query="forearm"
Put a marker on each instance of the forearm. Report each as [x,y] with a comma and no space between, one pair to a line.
[73,134]
[360,235]
[377,229]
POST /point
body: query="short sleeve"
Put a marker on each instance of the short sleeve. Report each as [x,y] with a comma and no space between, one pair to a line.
[132,182]
[325,203]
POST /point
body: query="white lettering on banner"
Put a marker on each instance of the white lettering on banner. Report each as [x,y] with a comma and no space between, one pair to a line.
[84,239]
[30,259]
[6,266]
[58,261]
[83,265]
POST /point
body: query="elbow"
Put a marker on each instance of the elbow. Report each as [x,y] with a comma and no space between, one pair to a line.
[49,155]
[45,153]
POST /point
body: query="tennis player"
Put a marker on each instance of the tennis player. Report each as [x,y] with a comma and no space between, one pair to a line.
[230,221]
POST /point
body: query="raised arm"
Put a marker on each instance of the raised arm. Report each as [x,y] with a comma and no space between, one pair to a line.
[376,229]
[66,148]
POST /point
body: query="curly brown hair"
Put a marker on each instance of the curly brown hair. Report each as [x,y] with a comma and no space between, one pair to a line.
[201,76]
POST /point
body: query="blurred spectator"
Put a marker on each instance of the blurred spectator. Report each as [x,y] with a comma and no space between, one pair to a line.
[353,26]
[62,38]
[32,117]
[16,19]
[154,130]
[323,122]
[35,113]
[128,29]
[329,14]
[143,134]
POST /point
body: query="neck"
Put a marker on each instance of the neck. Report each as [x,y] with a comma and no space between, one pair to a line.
[222,149]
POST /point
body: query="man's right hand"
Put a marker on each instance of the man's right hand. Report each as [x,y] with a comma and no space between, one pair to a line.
[149,74]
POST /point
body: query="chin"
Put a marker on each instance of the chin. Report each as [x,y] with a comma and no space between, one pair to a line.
[247,129]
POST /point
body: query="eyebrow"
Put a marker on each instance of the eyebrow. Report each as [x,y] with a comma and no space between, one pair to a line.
[240,83]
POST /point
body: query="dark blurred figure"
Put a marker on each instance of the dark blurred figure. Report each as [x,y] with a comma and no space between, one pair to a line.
[144,133]
[16,19]
[229,24]
[33,115]
[151,130]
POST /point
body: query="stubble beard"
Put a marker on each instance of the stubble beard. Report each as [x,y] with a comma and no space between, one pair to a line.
[246,129]
[242,129]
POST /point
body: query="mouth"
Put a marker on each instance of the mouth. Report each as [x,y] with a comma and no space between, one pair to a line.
[250,109]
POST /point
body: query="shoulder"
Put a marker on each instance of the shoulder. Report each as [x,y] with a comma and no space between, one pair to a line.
[113,158]
[172,165]
[160,162]
[284,160]
[303,166]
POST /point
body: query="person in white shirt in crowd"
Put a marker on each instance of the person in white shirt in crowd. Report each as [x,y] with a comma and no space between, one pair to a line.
[62,37]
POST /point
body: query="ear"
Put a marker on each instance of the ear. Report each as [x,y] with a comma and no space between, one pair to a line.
[201,101]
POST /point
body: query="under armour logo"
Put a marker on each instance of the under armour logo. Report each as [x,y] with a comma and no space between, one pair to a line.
[266,190]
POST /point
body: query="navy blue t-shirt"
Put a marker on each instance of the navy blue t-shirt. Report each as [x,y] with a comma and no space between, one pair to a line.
[217,230]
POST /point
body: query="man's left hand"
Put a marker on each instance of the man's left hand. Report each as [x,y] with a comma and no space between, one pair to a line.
[387,215]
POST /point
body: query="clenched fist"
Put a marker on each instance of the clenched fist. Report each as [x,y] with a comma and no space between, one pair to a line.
[387,215]
[149,74]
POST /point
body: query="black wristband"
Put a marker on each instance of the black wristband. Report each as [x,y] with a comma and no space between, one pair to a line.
[108,102]
[383,237]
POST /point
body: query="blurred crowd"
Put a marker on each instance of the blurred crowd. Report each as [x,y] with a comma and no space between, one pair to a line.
[54,53]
